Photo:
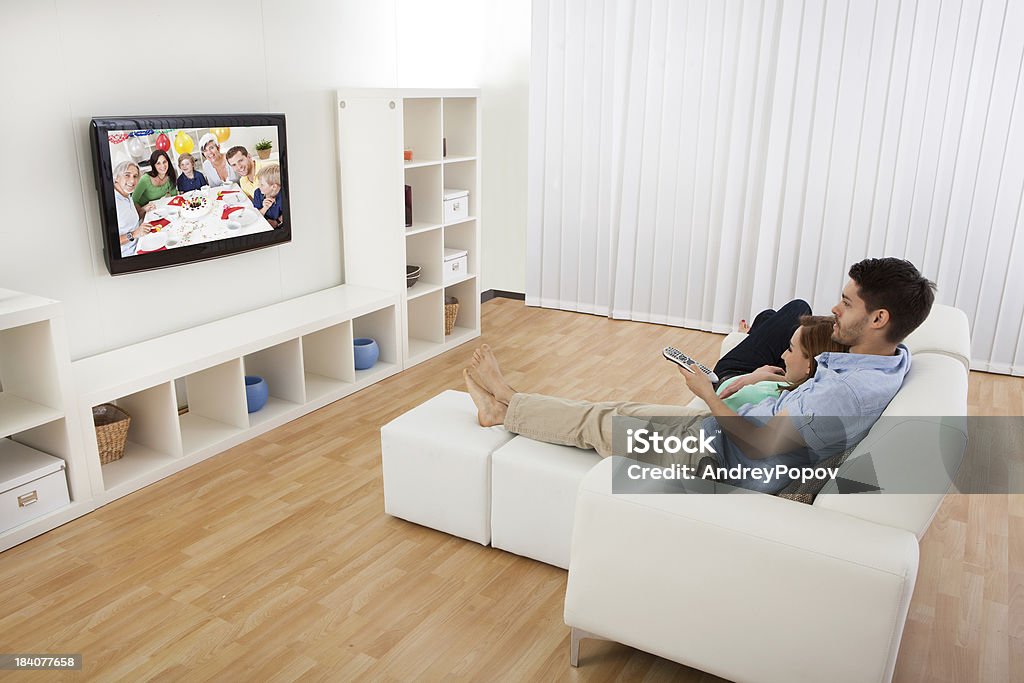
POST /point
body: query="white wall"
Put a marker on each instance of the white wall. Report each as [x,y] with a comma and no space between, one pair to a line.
[505,91]
[71,67]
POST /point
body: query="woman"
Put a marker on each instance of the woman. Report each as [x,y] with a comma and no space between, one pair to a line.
[811,338]
[126,178]
[159,182]
[215,166]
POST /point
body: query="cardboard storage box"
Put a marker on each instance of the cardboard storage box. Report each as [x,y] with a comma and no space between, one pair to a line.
[456,264]
[456,205]
[32,484]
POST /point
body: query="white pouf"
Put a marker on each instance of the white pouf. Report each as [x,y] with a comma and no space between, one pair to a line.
[533,497]
[437,466]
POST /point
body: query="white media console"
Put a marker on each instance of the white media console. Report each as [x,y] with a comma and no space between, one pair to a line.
[302,347]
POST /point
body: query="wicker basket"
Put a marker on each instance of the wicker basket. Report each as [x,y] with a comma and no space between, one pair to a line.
[451,311]
[111,431]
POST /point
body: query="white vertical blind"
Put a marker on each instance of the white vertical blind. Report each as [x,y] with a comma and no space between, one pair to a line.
[693,162]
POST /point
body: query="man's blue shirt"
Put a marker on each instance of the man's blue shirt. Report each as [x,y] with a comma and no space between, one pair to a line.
[833,410]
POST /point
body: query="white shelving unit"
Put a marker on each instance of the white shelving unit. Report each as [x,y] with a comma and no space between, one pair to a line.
[302,347]
[36,401]
[441,128]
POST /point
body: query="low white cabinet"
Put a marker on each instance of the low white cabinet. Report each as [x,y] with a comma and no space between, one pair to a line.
[302,347]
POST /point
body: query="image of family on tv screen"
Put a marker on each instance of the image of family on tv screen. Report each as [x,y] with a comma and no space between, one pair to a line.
[218,189]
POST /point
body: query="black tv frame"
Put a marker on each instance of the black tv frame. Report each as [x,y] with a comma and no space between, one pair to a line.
[100,126]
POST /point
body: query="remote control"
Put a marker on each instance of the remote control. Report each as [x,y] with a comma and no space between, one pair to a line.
[681,359]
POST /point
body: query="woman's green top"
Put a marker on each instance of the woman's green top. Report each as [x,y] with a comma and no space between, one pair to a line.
[146,192]
[753,393]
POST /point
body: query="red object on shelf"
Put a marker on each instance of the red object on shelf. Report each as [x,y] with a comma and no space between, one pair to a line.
[408,155]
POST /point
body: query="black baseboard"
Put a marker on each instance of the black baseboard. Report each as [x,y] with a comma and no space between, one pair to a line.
[496,293]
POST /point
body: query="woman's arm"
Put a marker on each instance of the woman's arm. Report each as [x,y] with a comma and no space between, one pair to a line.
[765,373]
[775,437]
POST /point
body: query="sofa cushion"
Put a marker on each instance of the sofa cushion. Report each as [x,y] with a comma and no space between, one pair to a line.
[946,332]
[436,461]
[533,497]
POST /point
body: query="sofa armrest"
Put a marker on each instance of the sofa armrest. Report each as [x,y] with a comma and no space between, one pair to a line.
[748,587]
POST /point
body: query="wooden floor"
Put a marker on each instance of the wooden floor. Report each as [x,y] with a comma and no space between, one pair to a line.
[275,561]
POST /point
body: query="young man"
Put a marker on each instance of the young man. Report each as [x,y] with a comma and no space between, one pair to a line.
[884,301]
[246,167]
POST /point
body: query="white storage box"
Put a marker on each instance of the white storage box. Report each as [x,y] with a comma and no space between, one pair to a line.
[32,484]
[456,205]
[455,265]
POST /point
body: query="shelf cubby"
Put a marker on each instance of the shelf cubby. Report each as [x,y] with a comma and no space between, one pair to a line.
[426,324]
[328,361]
[460,127]
[462,176]
[426,195]
[154,436]
[379,325]
[467,322]
[30,392]
[421,126]
[463,236]
[52,439]
[425,250]
[282,368]
[216,406]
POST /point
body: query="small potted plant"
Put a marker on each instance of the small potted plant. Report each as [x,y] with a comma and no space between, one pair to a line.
[263,147]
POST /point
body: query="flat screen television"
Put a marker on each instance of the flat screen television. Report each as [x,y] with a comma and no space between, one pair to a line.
[177,189]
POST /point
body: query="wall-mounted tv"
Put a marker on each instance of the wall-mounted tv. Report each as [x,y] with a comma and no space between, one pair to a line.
[176,189]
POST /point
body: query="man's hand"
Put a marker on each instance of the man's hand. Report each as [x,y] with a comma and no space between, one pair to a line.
[698,383]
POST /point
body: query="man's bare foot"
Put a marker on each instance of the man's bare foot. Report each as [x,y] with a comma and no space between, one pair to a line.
[486,367]
[489,410]
[744,327]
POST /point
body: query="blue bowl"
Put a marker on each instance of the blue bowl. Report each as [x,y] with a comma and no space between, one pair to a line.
[256,392]
[367,352]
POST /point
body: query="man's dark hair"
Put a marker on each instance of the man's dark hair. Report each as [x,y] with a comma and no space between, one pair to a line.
[898,287]
[237,149]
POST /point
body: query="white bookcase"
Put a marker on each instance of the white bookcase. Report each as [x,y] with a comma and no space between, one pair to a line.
[302,348]
[441,128]
[37,407]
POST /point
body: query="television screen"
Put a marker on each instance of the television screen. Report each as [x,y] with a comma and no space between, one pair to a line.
[175,189]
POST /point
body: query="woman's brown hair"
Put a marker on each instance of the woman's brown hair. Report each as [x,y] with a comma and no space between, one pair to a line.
[815,338]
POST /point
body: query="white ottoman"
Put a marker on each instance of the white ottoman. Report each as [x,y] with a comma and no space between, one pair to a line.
[437,466]
[533,497]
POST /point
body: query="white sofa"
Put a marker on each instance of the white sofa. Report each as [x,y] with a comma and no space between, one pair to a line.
[748,587]
[758,588]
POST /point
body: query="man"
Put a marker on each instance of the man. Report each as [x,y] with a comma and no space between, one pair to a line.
[246,167]
[883,302]
[129,216]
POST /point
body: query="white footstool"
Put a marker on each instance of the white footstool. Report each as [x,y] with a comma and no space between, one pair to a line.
[437,466]
[533,497]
